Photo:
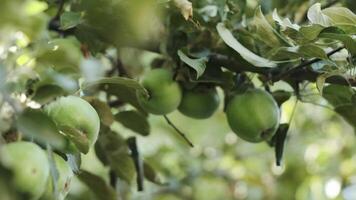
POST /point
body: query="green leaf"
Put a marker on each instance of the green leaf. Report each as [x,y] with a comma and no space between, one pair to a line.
[97,185]
[348,41]
[115,153]
[338,95]
[134,121]
[103,110]
[281,96]
[312,51]
[284,23]
[123,88]
[264,30]
[320,80]
[340,15]
[47,93]
[79,138]
[348,112]
[248,55]
[311,32]
[37,125]
[118,81]
[151,175]
[316,16]
[70,19]
[54,174]
[199,64]
[280,138]
[74,161]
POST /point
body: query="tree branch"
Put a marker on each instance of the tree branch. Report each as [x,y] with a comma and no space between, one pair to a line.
[178,131]
[303,65]
[297,73]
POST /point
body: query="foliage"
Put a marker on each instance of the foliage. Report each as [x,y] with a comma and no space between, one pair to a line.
[301,53]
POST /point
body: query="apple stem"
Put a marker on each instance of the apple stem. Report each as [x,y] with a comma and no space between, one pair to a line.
[178,131]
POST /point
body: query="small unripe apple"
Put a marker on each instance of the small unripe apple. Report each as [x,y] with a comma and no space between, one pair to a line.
[164,93]
[199,104]
[30,167]
[253,115]
[77,114]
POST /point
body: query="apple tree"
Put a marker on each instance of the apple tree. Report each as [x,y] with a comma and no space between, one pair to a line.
[73,71]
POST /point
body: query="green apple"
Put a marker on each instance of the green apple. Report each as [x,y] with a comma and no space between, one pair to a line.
[253,115]
[199,104]
[30,167]
[65,175]
[76,119]
[164,93]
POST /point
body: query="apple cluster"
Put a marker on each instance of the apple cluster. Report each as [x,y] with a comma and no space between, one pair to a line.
[252,114]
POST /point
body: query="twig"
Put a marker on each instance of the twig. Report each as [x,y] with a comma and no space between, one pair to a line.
[116,103]
[137,161]
[303,65]
[112,178]
[60,9]
[178,131]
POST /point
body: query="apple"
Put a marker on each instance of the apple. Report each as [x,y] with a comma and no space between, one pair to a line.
[199,104]
[76,119]
[253,115]
[164,93]
[30,167]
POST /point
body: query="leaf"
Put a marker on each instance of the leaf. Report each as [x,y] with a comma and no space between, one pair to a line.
[264,30]
[103,110]
[118,81]
[198,65]
[311,32]
[123,88]
[338,95]
[115,153]
[70,19]
[348,41]
[312,51]
[134,121]
[284,23]
[54,174]
[37,125]
[281,96]
[47,93]
[316,16]
[348,112]
[340,15]
[281,135]
[151,175]
[320,80]
[248,55]
[97,185]
[123,166]
[74,161]
[78,138]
